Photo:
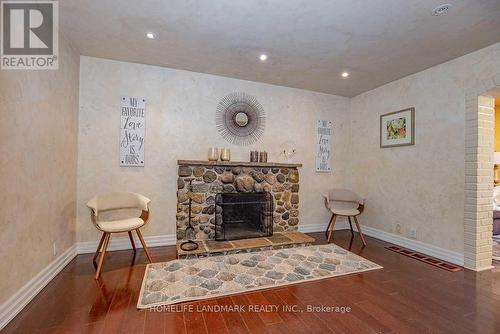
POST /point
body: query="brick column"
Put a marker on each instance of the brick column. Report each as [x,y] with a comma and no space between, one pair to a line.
[479,147]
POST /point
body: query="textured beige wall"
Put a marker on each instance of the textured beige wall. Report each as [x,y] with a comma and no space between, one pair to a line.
[38,136]
[420,186]
[180,124]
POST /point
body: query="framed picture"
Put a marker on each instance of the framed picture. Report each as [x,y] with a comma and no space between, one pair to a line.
[397,128]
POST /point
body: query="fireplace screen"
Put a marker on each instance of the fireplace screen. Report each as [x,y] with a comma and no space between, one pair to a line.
[243,215]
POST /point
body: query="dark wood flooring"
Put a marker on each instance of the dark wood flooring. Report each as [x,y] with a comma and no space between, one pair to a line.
[407,296]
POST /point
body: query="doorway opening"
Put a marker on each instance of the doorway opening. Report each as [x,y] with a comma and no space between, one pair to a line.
[479,174]
[496,188]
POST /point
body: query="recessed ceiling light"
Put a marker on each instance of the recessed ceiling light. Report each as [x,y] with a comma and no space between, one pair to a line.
[150,35]
[441,10]
[345,74]
[263,57]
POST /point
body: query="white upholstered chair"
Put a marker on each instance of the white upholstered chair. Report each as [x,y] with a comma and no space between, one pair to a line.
[346,203]
[118,201]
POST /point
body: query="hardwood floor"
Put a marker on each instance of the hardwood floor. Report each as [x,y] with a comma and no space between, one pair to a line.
[407,296]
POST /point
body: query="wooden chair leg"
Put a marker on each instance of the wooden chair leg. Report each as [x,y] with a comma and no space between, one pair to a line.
[350,224]
[131,237]
[359,231]
[144,245]
[98,249]
[103,255]
[328,227]
[330,232]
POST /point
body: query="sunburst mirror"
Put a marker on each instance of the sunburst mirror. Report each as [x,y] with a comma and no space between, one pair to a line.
[240,118]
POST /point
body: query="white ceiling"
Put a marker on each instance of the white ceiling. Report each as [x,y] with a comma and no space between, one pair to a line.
[309,42]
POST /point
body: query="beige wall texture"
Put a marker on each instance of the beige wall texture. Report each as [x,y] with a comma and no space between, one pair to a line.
[180,124]
[38,136]
[420,186]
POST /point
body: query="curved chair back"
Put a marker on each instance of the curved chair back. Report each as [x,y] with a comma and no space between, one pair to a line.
[344,195]
[343,199]
[118,200]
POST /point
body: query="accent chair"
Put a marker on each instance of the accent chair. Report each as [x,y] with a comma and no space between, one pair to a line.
[344,203]
[114,201]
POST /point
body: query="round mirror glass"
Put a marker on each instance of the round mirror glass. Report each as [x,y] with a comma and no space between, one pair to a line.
[241,119]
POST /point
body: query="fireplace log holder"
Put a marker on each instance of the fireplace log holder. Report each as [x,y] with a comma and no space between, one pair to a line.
[189,245]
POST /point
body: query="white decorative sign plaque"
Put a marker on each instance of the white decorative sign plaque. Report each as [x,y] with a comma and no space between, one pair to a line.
[323,146]
[132,128]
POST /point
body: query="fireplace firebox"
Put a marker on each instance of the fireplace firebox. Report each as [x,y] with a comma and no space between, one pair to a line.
[243,215]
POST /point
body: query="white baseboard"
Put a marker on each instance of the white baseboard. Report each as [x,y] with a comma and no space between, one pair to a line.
[122,243]
[10,308]
[20,299]
[418,246]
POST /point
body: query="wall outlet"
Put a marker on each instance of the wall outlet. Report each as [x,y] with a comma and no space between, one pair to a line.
[398,228]
[412,233]
[54,248]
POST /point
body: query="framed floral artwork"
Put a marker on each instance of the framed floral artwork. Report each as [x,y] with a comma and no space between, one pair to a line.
[397,128]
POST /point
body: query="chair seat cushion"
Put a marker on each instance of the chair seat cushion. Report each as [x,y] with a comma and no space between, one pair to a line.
[345,212]
[342,208]
[122,225]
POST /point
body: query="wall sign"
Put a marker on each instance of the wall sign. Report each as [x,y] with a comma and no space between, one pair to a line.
[323,146]
[132,128]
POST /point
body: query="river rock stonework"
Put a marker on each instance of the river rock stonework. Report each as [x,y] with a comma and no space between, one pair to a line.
[207,181]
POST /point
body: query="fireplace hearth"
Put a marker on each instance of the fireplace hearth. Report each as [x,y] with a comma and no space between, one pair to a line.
[243,215]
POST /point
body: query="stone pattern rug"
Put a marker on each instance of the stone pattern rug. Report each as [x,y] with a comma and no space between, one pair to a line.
[194,279]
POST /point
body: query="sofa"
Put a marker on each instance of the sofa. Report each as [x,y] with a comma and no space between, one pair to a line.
[496,210]
[496,222]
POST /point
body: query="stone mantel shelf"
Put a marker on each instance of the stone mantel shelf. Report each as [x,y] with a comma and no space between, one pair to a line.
[237,163]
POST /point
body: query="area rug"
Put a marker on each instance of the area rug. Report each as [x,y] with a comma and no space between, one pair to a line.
[194,279]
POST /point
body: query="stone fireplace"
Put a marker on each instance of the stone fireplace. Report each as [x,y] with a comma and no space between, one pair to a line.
[204,182]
